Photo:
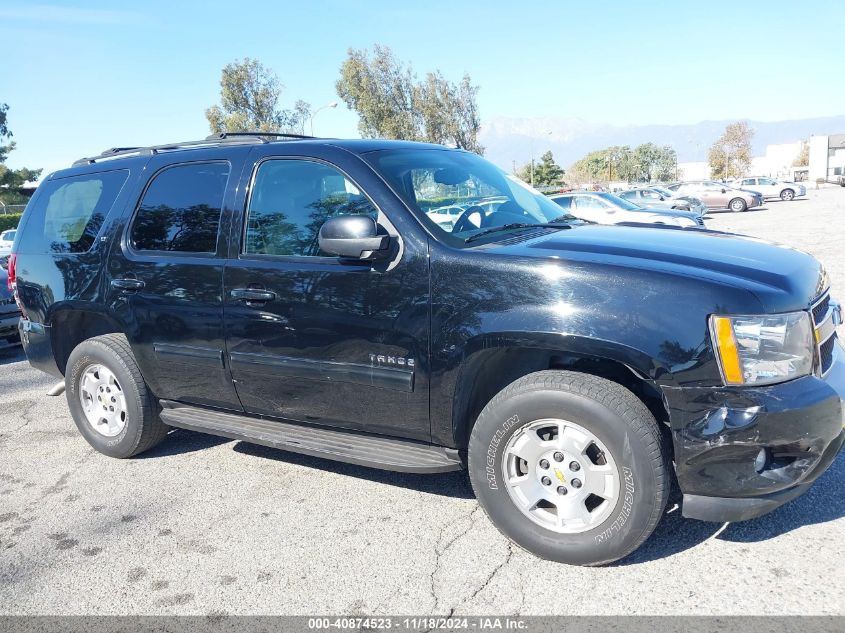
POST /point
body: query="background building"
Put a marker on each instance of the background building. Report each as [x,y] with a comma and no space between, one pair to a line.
[827,157]
[826,161]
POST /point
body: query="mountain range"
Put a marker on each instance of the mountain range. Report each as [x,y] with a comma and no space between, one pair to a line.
[512,139]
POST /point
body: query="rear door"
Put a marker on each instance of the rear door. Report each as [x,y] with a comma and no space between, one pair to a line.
[315,338]
[165,276]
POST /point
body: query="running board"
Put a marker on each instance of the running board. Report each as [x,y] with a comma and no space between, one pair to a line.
[375,451]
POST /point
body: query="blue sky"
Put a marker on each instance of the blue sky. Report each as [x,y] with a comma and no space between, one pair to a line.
[83,76]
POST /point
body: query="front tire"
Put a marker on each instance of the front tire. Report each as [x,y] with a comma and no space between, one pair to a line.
[110,403]
[737,205]
[570,467]
[787,195]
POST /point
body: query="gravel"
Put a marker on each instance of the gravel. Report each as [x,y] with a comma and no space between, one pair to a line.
[204,525]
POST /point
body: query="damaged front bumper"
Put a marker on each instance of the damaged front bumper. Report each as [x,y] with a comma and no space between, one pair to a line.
[718,435]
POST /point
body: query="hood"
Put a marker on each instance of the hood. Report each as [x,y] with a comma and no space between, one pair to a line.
[782,278]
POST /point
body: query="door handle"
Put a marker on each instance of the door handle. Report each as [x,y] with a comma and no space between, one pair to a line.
[252,294]
[127,284]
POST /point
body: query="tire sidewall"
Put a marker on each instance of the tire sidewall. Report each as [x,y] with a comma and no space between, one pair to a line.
[620,532]
[787,194]
[90,353]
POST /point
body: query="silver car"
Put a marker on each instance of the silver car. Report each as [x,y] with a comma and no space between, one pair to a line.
[771,188]
[660,198]
[606,208]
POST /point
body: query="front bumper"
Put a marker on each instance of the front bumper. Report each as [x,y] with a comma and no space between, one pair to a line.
[718,432]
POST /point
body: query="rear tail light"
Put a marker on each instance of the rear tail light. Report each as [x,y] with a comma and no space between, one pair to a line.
[10,282]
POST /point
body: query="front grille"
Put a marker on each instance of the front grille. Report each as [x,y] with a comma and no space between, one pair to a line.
[820,309]
[826,354]
[825,327]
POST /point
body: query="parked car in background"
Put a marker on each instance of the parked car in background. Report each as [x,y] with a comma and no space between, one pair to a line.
[718,195]
[9,312]
[663,199]
[445,216]
[607,208]
[771,188]
[6,240]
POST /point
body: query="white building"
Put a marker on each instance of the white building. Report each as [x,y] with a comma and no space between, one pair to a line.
[827,161]
[827,157]
[775,163]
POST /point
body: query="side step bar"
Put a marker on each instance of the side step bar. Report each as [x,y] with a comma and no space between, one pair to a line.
[375,451]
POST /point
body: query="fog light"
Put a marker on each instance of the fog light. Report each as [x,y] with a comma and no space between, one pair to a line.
[761,460]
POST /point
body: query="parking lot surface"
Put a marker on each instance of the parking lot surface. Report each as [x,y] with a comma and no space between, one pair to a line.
[204,525]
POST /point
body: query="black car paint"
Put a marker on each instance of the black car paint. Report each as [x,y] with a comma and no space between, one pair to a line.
[521,301]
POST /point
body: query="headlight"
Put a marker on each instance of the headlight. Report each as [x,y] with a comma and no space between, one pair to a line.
[764,349]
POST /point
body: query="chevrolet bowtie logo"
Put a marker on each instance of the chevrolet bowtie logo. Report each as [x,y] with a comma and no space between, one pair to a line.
[560,476]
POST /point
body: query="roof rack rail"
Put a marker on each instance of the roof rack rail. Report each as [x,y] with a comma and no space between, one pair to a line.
[224,135]
[213,139]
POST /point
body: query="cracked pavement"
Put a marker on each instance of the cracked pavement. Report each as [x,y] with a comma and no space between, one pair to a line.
[204,525]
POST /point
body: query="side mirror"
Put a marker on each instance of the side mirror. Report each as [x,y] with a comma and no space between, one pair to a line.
[724,190]
[352,236]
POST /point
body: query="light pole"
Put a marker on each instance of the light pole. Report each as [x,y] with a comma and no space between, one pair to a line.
[333,104]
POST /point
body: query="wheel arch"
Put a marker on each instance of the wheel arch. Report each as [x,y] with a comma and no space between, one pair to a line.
[71,325]
[489,369]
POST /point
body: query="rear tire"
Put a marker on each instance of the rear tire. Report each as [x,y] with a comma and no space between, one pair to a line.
[605,431]
[110,403]
[787,195]
[737,205]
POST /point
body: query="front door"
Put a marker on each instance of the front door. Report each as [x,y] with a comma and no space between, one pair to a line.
[315,338]
[165,278]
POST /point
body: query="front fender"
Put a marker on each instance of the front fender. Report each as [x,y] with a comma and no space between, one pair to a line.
[517,313]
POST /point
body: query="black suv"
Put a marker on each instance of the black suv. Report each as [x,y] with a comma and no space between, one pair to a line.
[300,293]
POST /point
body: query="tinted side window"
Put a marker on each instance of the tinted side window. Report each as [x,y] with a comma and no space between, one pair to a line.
[290,201]
[180,210]
[66,215]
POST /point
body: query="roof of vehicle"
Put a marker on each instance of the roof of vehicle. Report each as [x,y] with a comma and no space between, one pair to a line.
[358,146]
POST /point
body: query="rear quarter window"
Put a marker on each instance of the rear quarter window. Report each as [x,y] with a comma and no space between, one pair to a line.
[67,214]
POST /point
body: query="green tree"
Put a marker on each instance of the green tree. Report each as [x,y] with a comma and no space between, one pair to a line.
[249,102]
[392,103]
[11,179]
[654,163]
[730,155]
[611,163]
[802,159]
[545,172]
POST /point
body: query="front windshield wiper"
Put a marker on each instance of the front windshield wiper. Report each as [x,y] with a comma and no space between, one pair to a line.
[554,224]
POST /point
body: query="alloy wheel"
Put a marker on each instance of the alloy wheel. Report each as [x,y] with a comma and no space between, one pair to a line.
[103,400]
[560,476]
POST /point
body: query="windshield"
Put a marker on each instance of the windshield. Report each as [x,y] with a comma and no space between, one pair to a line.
[458,194]
[618,202]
